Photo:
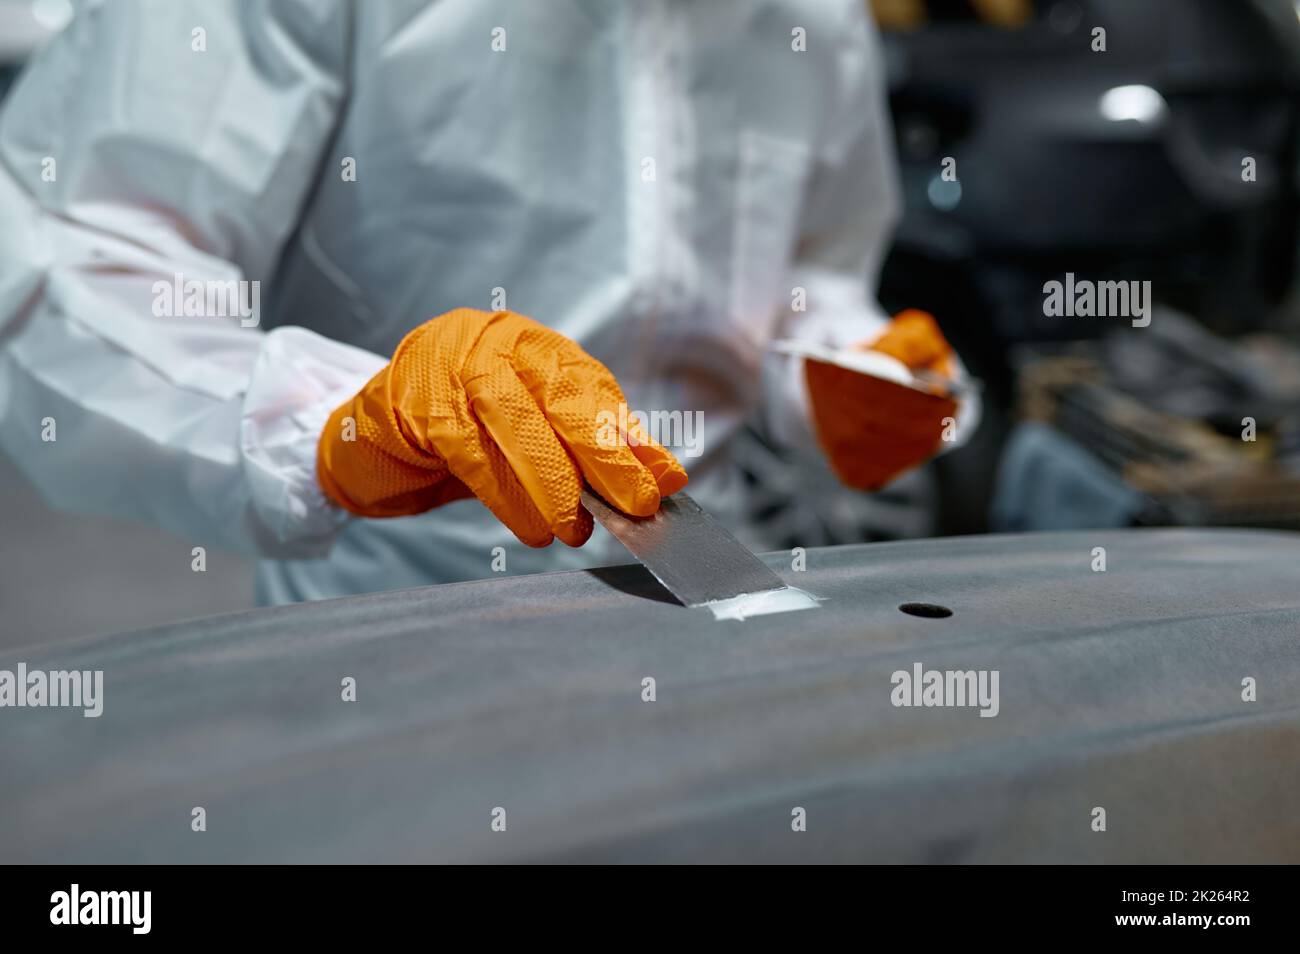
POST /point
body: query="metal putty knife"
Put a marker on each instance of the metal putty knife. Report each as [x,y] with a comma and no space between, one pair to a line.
[688,551]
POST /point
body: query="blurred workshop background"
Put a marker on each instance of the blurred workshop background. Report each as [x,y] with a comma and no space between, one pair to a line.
[1122,165]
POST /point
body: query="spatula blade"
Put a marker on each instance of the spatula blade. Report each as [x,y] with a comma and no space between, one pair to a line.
[689,552]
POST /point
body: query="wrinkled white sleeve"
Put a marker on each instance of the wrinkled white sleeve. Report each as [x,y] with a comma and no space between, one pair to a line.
[851,207]
[129,156]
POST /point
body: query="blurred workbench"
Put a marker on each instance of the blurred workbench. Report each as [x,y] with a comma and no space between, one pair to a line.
[1119,689]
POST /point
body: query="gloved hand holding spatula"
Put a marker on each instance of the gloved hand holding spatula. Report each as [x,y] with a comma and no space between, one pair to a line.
[496,406]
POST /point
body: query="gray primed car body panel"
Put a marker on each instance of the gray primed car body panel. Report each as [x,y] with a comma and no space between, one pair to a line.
[1119,689]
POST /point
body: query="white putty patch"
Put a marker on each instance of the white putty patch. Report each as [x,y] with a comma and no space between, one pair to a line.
[787,599]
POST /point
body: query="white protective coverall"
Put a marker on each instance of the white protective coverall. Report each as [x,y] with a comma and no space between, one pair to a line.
[651,178]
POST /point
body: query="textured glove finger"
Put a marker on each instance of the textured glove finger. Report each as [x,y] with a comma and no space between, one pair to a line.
[541,466]
[585,406]
[661,463]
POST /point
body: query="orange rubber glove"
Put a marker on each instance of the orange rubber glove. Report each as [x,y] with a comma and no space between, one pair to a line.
[872,430]
[498,407]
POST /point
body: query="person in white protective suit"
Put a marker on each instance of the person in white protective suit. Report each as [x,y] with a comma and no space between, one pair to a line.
[671,185]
